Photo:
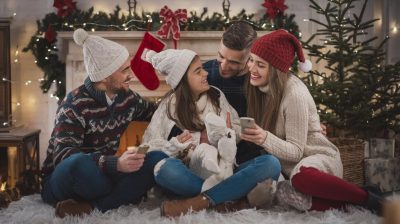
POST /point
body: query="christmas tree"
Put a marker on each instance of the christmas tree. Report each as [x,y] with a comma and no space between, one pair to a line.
[357,92]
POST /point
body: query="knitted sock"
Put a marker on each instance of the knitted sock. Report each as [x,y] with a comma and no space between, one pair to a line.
[325,186]
[143,70]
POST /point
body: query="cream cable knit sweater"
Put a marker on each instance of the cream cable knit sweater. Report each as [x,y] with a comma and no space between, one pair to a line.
[157,132]
[298,140]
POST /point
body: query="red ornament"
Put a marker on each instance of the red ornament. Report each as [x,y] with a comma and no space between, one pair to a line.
[50,34]
[274,7]
[170,21]
[65,7]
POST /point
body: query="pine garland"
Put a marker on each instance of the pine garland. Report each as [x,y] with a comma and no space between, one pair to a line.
[44,47]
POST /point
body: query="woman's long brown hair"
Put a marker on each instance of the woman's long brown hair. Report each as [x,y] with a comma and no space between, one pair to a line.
[264,107]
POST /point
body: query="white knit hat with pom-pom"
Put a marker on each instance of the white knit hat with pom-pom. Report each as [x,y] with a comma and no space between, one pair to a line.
[101,57]
[171,63]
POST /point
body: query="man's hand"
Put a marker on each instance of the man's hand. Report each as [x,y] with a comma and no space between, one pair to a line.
[256,135]
[130,161]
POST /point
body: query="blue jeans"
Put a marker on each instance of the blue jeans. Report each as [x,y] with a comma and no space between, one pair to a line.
[176,177]
[79,177]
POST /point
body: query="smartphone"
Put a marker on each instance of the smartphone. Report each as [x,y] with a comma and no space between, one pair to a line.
[247,122]
[142,149]
[132,149]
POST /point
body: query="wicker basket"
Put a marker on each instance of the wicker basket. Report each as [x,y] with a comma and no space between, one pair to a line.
[352,155]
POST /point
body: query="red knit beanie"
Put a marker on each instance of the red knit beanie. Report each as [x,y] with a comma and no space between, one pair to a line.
[278,49]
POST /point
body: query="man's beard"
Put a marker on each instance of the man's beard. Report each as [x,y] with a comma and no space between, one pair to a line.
[116,90]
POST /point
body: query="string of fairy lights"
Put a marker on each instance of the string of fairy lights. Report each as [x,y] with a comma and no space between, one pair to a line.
[124,27]
[393,30]
[42,44]
[16,105]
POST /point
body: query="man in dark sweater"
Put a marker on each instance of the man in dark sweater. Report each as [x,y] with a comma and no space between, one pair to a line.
[81,172]
[229,72]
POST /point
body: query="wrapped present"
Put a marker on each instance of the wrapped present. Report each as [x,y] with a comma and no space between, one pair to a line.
[383,172]
[381,148]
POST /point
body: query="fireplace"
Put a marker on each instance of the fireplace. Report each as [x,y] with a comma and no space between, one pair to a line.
[19,161]
[205,43]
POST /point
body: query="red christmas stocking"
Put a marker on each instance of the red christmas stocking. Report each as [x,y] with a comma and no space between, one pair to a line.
[143,70]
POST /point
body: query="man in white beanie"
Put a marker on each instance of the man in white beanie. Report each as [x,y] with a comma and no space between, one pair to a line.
[81,171]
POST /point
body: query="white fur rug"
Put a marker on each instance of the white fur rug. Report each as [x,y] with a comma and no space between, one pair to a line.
[31,209]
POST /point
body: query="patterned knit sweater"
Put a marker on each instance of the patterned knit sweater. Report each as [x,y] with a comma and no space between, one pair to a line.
[86,123]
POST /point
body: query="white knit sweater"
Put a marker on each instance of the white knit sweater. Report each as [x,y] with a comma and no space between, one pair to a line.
[161,126]
[298,140]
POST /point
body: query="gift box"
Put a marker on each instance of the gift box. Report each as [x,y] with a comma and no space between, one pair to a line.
[383,172]
[381,148]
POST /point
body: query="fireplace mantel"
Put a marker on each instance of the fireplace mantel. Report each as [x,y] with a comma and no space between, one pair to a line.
[205,43]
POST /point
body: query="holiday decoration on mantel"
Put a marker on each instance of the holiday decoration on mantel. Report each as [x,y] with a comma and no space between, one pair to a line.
[143,70]
[69,18]
[171,22]
[274,7]
[50,35]
[357,92]
[64,7]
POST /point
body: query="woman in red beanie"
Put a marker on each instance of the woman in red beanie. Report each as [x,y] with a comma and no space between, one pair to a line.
[289,128]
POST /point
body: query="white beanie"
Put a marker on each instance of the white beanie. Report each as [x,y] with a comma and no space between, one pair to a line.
[102,57]
[171,63]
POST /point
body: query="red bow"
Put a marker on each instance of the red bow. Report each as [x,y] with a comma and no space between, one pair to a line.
[273,7]
[65,7]
[171,22]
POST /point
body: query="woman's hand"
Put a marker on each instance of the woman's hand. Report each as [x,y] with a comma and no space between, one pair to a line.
[256,135]
[204,137]
[130,161]
[228,120]
[185,136]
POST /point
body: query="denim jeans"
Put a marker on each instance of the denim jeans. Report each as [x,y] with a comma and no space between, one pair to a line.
[176,177]
[79,177]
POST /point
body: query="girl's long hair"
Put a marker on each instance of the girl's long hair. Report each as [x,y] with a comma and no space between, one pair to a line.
[186,115]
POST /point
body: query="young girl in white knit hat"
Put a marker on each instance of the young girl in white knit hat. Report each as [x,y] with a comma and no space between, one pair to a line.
[194,113]
[197,110]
